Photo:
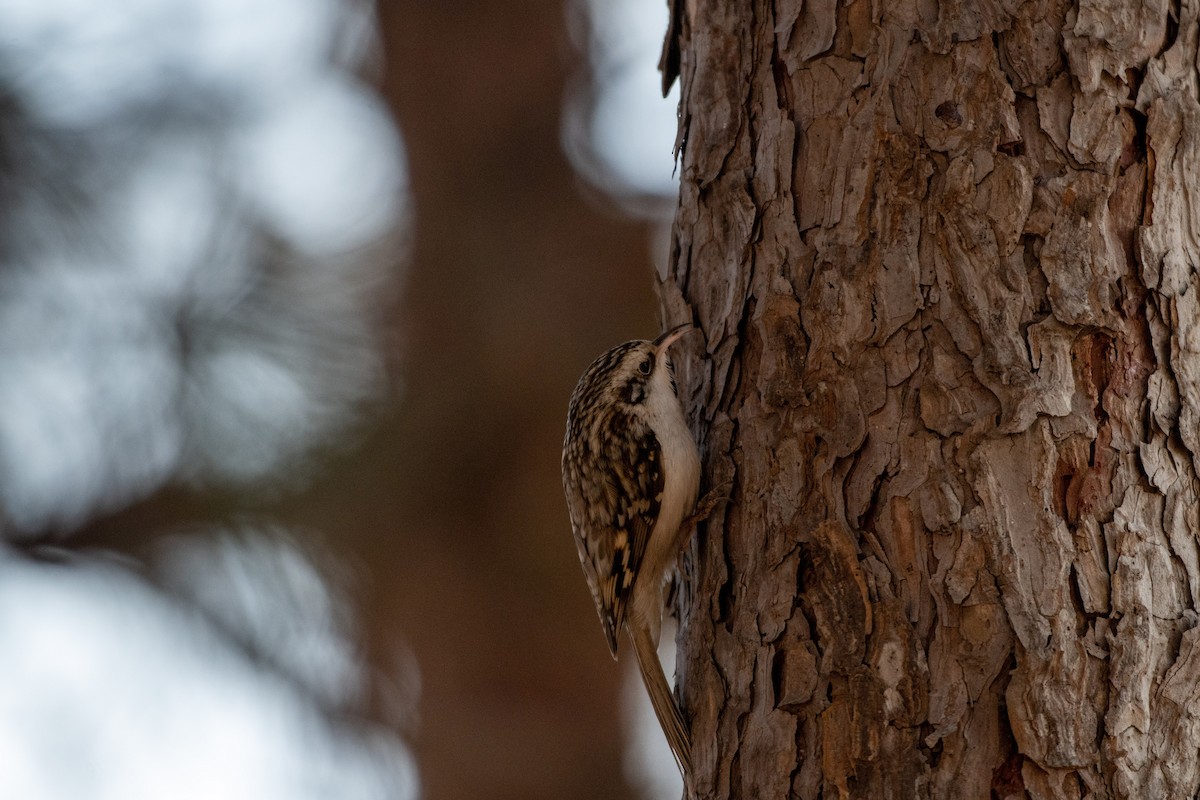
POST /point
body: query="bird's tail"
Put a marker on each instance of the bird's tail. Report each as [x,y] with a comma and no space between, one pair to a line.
[669,716]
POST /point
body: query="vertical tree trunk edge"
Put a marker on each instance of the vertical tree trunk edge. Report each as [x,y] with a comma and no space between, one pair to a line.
[944,259]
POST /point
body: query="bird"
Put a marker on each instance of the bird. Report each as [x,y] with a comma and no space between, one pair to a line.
[631,473]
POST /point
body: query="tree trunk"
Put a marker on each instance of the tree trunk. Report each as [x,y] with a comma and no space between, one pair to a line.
[943,254]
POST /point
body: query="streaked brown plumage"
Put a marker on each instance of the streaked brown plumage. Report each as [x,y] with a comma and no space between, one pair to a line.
[631,472]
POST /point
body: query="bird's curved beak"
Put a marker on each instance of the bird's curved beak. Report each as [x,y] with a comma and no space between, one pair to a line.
[666,339]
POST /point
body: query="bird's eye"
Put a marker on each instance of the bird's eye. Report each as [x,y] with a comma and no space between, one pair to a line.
[646,365]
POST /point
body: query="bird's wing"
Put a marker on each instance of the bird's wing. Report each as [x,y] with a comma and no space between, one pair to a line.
[613,518]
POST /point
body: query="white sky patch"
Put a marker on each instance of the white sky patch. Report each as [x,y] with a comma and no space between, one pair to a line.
[241,382]
[634,130]
[97,382]
[194,189]
[234,32]
[110,691]
[312,167]
[178,305]
[621,136]
[124,51]
[169,217]
[266,592]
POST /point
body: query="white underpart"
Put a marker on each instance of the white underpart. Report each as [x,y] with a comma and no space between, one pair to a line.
[681,482]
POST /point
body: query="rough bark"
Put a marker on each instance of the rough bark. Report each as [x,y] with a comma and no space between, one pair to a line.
[943,254]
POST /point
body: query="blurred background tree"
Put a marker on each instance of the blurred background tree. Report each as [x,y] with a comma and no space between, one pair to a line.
[283,394]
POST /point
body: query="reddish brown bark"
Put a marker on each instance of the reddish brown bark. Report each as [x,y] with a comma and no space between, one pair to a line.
[943,256]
